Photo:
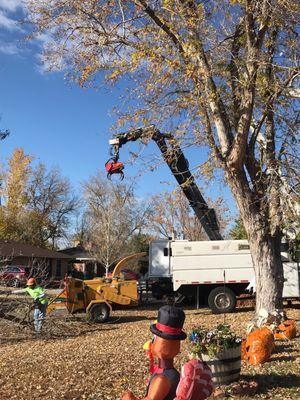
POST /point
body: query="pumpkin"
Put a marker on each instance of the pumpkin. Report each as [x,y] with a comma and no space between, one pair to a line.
[243,349]
[286,330]
[259,346]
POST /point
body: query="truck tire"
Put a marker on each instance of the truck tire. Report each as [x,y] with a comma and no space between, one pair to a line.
[99,313]
[221,300]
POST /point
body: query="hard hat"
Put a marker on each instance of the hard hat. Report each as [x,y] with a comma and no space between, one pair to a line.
[31,281]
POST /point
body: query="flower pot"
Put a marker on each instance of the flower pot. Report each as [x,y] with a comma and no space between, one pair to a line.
[225,366]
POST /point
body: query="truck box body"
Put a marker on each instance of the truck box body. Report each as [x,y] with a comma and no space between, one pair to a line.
[212,263]
[291,288]
[208,262]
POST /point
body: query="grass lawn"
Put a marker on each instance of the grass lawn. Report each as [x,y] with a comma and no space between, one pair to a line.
[77,360]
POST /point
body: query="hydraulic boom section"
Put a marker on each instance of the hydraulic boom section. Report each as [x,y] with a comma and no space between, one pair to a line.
[179,167]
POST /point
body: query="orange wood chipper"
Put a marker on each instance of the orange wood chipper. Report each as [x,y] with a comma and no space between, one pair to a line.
[97,296]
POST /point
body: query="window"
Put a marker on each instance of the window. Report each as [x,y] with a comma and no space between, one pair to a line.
[243,247]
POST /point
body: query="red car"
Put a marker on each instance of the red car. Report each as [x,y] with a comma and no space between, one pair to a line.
[13,275]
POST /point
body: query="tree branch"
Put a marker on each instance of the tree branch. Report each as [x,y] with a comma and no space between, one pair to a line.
[254,42]
[270,102]
[234,72]
[210,137]
[217,107]
[151,13]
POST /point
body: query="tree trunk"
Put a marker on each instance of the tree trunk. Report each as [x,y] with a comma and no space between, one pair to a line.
[266,257]
[264,246]
[106,270]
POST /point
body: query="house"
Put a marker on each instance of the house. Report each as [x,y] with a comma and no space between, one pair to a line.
[83,258]
[54,263]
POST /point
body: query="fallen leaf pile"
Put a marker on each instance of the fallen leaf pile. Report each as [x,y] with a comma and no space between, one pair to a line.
[76,360]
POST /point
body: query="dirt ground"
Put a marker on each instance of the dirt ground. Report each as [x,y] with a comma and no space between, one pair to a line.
[77,360]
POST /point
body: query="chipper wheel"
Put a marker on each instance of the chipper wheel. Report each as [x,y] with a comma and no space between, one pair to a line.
[99,313]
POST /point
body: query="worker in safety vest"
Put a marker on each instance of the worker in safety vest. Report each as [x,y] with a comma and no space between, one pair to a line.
[40,302]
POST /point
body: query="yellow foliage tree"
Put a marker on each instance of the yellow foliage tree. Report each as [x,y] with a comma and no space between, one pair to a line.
[17,178]
[15,181]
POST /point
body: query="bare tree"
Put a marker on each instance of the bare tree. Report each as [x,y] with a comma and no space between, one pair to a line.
[82,231]
[115,215]
[172,216]
[38,203]
[224,70]
[50,203]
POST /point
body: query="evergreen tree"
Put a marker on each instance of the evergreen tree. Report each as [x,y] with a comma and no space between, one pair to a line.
[238,231]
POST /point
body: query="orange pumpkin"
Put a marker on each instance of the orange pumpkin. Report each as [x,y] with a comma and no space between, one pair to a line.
[259,346]
[286,330]
[243,349]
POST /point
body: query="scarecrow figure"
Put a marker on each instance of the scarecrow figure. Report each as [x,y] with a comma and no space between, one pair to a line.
[165,382]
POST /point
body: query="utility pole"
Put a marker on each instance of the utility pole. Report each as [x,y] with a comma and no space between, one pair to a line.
[3,135]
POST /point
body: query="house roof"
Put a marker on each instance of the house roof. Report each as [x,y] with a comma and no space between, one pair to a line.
[16,249]
[78,253]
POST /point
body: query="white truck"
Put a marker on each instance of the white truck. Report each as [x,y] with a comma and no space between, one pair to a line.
[216,271]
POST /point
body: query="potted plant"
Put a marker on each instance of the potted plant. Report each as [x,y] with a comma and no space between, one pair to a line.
[220,349]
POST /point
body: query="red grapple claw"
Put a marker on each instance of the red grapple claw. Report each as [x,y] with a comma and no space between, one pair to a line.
[114,167]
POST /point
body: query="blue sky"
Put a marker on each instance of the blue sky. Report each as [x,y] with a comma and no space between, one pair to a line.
[63,125]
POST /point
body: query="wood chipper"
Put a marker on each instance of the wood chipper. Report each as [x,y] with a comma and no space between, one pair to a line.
[97,296]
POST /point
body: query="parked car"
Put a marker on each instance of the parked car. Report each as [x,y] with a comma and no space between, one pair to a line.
[13,275]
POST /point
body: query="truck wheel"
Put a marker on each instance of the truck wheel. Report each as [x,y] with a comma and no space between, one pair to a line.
[221,300]
[99,313]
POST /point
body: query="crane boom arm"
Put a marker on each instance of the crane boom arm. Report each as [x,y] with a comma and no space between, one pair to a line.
[179,166]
